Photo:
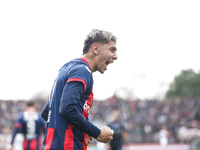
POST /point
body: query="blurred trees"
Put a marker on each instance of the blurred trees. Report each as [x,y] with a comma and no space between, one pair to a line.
[187,83]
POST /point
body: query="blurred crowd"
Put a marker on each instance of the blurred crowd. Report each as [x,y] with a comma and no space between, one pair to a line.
[142,119]
[10,111]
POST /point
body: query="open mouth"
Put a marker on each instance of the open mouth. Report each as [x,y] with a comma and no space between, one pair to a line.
[107,62]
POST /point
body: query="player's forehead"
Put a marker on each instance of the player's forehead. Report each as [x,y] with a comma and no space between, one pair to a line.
[111,45]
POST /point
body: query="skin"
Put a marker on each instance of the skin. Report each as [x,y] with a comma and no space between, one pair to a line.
[116,115]
[88,138]
[30,108]
[99,57]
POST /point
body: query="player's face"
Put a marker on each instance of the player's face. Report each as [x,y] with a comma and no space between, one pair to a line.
[107,55]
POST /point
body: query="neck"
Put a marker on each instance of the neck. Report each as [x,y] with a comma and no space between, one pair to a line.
[91,62]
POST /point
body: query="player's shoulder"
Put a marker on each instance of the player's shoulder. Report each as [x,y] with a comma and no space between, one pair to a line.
[81,68]
[21,116]
[84,68]
[82,63]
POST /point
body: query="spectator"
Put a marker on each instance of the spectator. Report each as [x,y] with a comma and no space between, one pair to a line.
[137,116]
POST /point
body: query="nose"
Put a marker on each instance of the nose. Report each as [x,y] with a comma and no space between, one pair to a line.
[115,56]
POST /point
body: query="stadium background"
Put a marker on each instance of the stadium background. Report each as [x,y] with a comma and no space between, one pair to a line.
[142,119]
[156,39]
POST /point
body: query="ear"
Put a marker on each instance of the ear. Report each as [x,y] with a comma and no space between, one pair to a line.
[95,48]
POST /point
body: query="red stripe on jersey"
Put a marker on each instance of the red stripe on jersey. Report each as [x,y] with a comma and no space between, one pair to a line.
[18,125]
[84,143]
[39,143]
[33,144]
[25,144]
[69,138]
[49,138]
[90,99]
[85,61]
[78,79]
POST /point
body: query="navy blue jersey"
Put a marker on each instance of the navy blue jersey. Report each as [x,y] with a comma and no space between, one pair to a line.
[68,108]
[116,142]
[32,126]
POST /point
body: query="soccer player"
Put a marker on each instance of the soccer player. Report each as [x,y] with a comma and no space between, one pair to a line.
[67,110]
[120,134]
[32,126]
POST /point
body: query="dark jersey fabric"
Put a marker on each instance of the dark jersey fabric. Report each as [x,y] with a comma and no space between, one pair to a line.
[68,108]
[116,142]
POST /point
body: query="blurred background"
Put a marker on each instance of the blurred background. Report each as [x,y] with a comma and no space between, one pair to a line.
[155,82]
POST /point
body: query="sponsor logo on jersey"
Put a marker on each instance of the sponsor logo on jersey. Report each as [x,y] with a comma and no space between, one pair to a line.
[86,107]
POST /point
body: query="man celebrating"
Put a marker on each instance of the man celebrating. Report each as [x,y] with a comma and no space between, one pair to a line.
[67,110]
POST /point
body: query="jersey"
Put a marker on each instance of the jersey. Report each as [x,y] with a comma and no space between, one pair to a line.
[32,126]
[68,107]
[116,142]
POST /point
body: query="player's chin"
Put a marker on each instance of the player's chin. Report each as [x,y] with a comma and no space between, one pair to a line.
[103,71]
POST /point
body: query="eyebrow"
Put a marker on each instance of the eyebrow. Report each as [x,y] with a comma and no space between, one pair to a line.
[113,47]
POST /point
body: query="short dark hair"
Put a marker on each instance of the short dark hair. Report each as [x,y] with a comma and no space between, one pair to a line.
[30,103]
[99,36]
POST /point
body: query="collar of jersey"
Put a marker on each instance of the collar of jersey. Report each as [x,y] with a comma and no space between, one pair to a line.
[85,62]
